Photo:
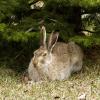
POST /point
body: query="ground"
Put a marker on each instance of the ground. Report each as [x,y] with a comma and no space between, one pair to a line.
[86,82]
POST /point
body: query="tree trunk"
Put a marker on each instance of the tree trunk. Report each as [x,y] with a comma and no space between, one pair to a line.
[75,19]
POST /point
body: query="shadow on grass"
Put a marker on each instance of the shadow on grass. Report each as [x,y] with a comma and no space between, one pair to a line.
[17,57]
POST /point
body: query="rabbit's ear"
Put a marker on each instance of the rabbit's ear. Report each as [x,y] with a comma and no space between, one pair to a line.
[43,36]
[52,40]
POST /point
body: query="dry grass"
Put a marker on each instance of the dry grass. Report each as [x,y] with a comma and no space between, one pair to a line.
[85,82]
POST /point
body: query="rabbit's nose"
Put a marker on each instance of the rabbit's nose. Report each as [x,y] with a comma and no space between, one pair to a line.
[34,62]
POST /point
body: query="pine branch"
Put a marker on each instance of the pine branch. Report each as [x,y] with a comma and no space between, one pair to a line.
[89,31]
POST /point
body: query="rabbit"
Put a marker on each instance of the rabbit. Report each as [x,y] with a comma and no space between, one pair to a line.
[54,60]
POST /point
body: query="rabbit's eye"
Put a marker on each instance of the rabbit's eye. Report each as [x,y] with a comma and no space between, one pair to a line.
[44,54]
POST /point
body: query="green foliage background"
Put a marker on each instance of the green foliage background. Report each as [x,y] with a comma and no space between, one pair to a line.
[56,14]
[19,25]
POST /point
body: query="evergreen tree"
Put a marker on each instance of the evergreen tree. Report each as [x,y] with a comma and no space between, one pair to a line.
[70,17]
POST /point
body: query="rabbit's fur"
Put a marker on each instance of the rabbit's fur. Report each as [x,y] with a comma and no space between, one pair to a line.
[55,60]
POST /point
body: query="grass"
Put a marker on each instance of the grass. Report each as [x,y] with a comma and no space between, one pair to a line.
[87,82]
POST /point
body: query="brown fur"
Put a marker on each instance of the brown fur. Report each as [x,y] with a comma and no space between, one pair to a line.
[56,61]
